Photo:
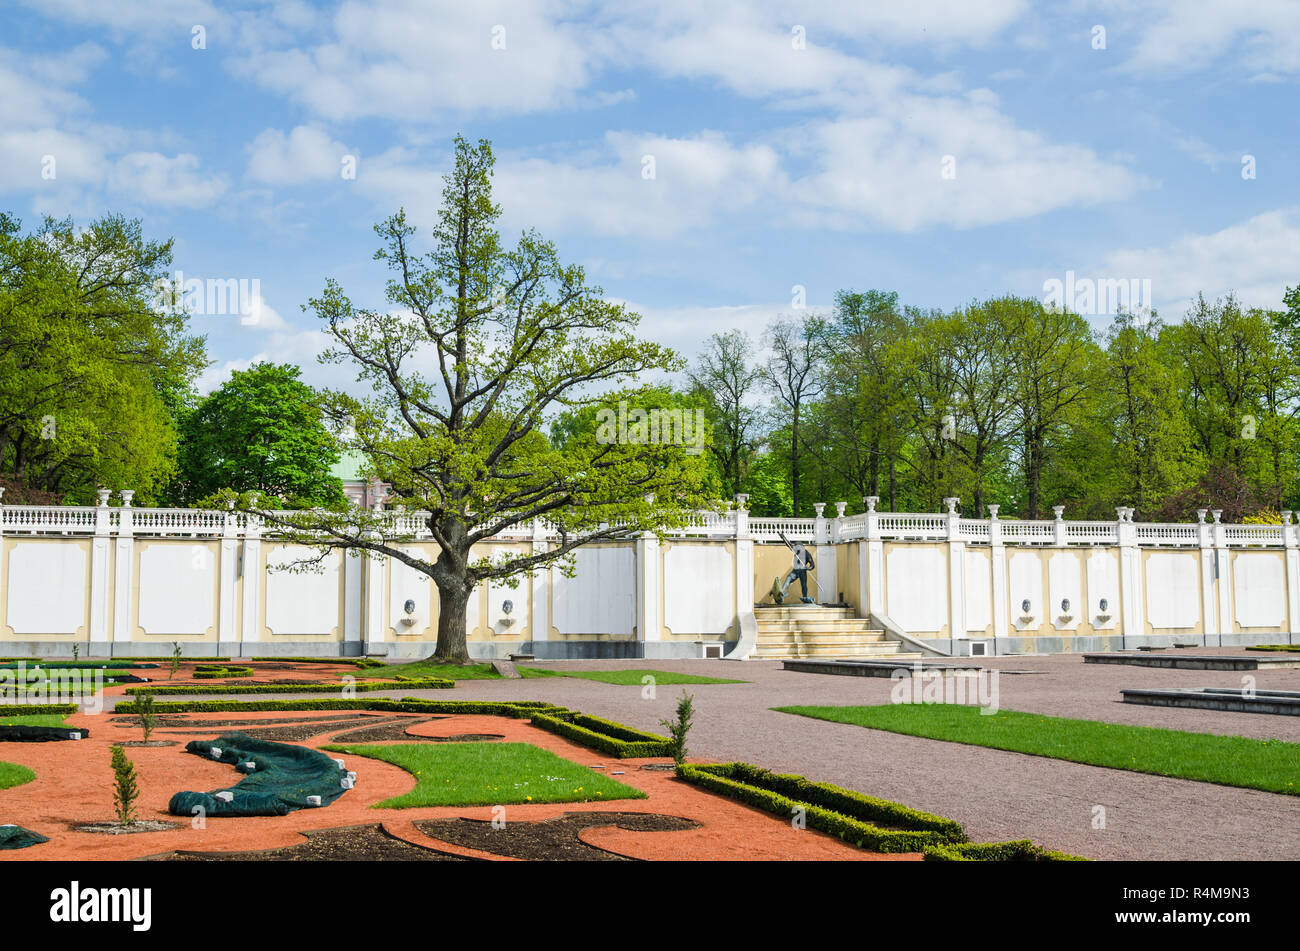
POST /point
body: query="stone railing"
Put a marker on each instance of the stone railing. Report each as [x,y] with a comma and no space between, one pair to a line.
[871,525]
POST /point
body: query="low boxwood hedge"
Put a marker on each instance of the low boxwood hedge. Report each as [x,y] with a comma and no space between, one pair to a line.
[36,709]
[851,818]
[1021,850]
[361,663]
[360,686]
[616,739]
[519,709]
[1287,648]
[219,672]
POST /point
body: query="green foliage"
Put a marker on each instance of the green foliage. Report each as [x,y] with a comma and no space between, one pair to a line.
[86,355]
[126,789]
[1006,400]
[145,711]
[679,727]
[474,351]
[220,672]
[261,431]
[1021,850]
[175,661]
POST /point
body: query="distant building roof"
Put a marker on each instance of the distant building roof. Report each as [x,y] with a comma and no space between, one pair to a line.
[349,466]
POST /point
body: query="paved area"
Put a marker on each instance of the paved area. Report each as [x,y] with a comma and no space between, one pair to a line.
[996,795]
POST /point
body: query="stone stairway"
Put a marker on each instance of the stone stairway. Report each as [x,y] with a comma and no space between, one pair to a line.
[791,632]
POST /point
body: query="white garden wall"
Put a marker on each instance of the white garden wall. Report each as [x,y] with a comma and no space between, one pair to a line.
[128,581]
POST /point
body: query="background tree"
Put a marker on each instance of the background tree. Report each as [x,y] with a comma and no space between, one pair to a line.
[726,380]
[87,358]
[262,430]
[1053,364]
[509,338]
[793,375]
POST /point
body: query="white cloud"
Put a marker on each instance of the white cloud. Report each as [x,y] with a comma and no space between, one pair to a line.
[1176,36]
[158,179]
[306,154]
[886,170]
[1255,258]
[411,59]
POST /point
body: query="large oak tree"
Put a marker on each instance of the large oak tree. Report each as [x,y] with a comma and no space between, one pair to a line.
[478,349]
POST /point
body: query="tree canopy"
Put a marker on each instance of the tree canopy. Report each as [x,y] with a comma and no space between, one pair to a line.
[88,362]
[477,350]
[262,431]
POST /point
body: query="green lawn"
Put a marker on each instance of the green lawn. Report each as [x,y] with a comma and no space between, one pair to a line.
[627,677]
[1270,765]
[424,668]
[421,669]
[489,774]
[11,774]
[34,719]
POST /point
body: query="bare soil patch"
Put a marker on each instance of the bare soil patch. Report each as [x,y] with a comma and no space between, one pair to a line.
[369,843]
[549,840]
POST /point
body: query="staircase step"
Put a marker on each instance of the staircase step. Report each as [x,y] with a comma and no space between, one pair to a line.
[838,626]
[803,637]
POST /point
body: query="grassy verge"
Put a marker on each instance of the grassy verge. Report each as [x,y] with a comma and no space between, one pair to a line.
[11,774]
[486,774]
[627,677]
[1270,765]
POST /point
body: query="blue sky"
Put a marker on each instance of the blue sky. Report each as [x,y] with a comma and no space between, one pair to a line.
[793,144]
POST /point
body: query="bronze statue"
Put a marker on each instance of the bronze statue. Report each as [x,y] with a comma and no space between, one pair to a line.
[803,563]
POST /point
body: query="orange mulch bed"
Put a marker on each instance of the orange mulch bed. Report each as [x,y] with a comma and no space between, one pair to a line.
[73,785]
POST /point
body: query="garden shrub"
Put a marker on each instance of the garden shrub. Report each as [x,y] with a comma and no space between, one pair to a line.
[220,672]
[361,686]
[519,709]
[616,739]
[1021,850]
[771,792]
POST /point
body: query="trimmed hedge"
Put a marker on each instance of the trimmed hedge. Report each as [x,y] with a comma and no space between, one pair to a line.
[519,709]
[855,824]
[217,672]
[361,686]
[1022,850]
[616,739]
[361,663]
[1287,648]
[36,709]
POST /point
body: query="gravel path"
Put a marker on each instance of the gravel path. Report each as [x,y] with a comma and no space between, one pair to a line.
[996,795]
